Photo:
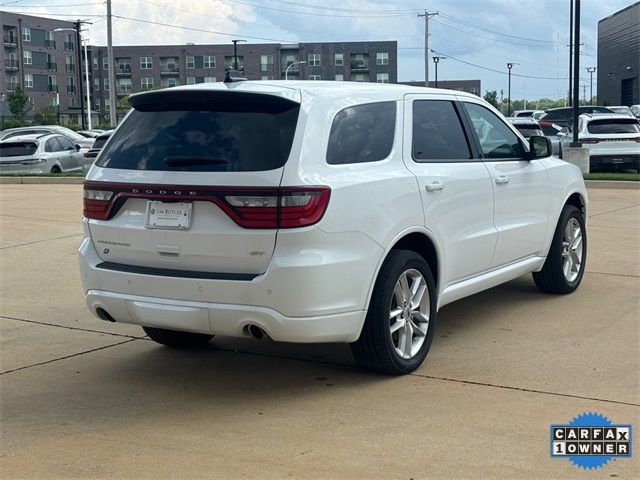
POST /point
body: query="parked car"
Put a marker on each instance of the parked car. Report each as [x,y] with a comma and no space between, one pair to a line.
[624,110]
[536,114]
[91,154]
[40,153]
[527,126]
[90,133]
[635,109]
[318,212]
[75,137]
[555,119]
[613,141]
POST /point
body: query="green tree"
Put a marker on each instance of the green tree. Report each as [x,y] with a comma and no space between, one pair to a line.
[18,103]
[46,116]
[124,103]
[491,96]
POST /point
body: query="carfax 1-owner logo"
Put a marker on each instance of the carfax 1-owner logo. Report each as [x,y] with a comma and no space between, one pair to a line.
[590,440]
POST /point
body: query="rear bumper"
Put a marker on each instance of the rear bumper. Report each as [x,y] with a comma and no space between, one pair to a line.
[225,319]
[621,160]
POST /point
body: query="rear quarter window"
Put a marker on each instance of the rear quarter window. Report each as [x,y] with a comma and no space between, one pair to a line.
[204,132]
[18,149]
[362,133]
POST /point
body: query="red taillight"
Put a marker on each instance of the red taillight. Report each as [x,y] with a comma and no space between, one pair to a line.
[289,207]
[637,139]
[590,140]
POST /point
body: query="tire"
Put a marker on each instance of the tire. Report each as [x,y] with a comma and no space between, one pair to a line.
[563,270]
[379,349]
[175,339]
[56,170]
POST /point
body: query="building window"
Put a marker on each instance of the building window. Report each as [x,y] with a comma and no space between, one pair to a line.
[28,80]
[382,58]
[229,62]
[146,63]
[314,60]
[107,105]
[53,102]
[68,63]
[191,80]
[266,77]
[28,59]
[95,63]
[70,86]
[168,82]
[209,79]
[105,82]
[315,77]
[72,102]
[105,63]
[339,77]
[209,62]
[339,59]
[52,83]
[26,34]
[96,104]
[382,78]
[146,83]
[68,42]
[474,91]
[191,62]
[96,83]
[358,77]
[266,63]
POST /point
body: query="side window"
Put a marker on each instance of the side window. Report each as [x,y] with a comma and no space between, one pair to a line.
[496,139]
[363,133]
[52,145]
[437,132]
[65,143]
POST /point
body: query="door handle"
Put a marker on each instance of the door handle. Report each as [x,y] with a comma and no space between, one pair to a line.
[502,179]
[434,187]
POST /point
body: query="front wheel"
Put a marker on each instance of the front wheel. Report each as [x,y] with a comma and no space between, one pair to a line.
[176,339]
[563,270]
[400,322]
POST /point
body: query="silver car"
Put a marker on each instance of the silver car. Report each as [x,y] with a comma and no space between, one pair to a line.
[75,137]
[45,153]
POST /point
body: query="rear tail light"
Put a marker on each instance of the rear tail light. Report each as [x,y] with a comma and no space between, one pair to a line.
[289,207]
[637,139]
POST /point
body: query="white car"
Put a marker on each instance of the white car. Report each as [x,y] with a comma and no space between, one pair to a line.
[622,109]
[613,140]
[320,212]
[74,137]
[40,153]
[535,114]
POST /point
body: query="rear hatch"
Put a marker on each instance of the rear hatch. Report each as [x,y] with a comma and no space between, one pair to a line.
[190,182]
[613,136]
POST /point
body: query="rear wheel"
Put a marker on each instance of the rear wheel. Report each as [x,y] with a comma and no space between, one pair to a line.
[173,338]
[563,270]
[56,169]
[400,322]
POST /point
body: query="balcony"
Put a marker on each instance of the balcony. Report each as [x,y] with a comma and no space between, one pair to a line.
[10,64]
[53,88]
[50,43]
[68,45]
[71,89]
[359,66]
[123,69]
[10,40]
[69,68]
[52,66]
[169,69]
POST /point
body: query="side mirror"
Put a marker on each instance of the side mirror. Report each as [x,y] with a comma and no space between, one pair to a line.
[539,147]
[78,147]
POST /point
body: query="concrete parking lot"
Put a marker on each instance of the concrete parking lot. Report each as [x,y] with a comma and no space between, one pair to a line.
[82,398]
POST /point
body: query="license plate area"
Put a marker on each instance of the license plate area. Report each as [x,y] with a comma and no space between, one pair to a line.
[168,215]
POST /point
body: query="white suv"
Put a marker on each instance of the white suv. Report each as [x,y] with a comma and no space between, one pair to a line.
[320,212]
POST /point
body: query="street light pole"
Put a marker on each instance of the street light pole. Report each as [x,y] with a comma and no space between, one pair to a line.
[591,70]
[235,53]
[86,82]
[436,60]
[286,71]
[509,67]
[79,44]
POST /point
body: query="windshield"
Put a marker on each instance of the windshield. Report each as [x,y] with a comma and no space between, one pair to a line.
[18,149]
[613,126]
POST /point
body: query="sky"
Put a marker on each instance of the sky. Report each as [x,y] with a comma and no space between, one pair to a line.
[479,37]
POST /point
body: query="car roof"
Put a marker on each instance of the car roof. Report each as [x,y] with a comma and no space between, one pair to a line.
[606,116]
[29,137]
[294,89]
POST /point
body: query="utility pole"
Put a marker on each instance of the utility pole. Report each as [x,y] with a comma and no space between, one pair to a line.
[576,79]
[570,50]
[78,24]
[113,108]
[584,94]
[427,16]
[591,70]
[510,65]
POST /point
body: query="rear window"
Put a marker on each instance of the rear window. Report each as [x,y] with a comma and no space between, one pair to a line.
[527,130]
[204,132]
[18,149]
[613,126]
[100,141]
[363,133]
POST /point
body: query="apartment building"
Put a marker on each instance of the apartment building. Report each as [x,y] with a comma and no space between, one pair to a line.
[139,68]
[41,60]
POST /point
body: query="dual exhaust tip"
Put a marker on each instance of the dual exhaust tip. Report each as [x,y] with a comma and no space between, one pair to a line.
[253,330]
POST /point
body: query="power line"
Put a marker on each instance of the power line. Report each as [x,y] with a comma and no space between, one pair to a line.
[57,6]
[360,15]
[338,9]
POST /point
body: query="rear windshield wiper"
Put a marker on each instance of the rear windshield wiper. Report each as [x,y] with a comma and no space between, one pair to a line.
[183,161]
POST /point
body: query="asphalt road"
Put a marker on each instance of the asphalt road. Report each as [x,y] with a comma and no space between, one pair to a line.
[82,398]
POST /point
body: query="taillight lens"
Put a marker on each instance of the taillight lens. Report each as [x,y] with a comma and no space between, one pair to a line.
[290,207]
[97,203]
[637,139]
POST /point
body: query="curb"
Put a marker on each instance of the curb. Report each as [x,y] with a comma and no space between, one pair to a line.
[612,184]
[41,180]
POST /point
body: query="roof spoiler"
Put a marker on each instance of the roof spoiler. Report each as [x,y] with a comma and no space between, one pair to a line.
[231,76]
